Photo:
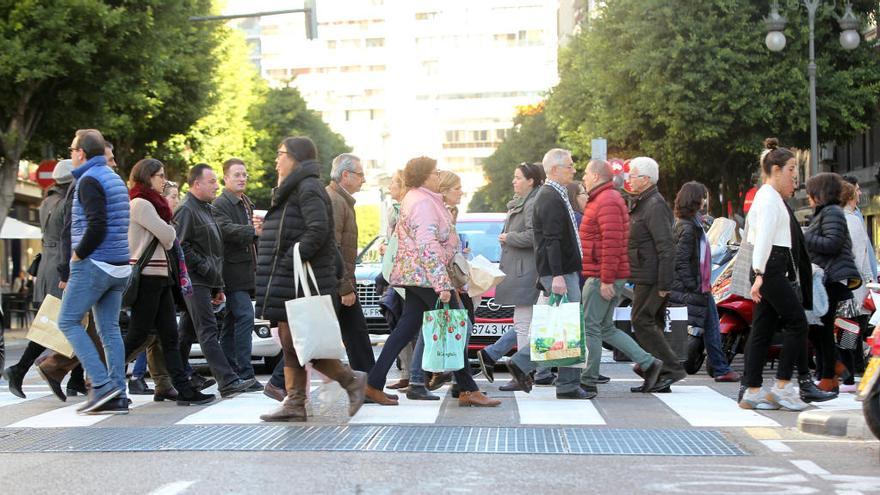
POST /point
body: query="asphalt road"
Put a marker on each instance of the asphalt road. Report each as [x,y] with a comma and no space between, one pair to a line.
[778,459]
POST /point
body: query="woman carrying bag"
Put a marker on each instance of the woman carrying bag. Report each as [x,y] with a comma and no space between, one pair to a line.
[300,213]
[426,245]
[153,307]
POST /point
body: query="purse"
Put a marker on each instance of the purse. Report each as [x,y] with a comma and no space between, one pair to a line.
[741,275]
[459,271]
[131,290]
[34,267]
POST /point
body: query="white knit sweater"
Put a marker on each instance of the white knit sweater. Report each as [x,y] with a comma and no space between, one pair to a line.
[769,225]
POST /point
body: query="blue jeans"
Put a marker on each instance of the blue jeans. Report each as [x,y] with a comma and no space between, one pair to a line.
[91,287]
[712,340]
[235,337]
[140,366]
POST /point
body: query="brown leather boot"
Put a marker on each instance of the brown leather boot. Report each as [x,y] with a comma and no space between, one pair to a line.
[293,408]
[476,399]
[828,384]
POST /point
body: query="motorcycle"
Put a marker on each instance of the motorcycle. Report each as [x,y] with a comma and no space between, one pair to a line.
[869,389]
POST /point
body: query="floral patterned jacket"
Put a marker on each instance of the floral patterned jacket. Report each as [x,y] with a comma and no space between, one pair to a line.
[426,242]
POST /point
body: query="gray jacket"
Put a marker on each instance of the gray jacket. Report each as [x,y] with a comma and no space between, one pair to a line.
[52,224]
[518,255]
[201,241]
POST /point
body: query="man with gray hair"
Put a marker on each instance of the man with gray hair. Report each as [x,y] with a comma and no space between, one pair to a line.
[651,258]
[558,260]
[604,231]
[347,176]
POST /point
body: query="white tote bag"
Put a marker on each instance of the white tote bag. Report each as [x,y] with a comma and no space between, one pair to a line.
[312,319]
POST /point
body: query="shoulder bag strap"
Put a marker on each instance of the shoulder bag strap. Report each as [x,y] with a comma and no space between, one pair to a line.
[146,256]
[302,273]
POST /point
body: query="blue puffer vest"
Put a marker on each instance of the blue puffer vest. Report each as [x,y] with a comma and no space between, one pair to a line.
[114,247]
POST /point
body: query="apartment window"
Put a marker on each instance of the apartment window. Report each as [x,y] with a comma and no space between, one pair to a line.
[351,68]
[430,67]
[501,134]
[299,72]
[505,39]
[373,92]
[331,44]
[377,68]
[277,73]
[426,16]
[375,42]
[377,114]
[480,136]
[353,43]
[530,37]
[454,136]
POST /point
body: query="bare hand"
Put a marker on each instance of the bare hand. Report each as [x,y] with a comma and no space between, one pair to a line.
[559,286]
[74,257]
[219,298]
[382,248]
[756,289]
[502,238]
[258,225]
[445,296]
[348,299]
[62,285]
[607,291]
[663,293]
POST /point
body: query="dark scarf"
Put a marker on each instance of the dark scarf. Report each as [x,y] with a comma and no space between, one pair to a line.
[157,200]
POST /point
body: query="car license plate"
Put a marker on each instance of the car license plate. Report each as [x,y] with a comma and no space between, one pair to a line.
[490,329]
[372,312]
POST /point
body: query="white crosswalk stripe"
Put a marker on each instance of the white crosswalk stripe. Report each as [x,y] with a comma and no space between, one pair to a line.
[541,407]
[8,399]
[241,410]
[406,412]
[67,417]
[702,406]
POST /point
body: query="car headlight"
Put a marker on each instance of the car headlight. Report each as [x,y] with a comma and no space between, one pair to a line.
[263,331]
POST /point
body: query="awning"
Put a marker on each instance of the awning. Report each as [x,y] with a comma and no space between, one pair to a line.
[16,229]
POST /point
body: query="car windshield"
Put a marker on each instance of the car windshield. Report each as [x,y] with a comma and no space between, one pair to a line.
[482,238]
[370,254]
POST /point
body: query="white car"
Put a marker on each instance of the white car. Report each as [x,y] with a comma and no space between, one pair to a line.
[265,344]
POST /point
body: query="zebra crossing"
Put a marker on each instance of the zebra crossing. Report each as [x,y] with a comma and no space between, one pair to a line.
[698,406]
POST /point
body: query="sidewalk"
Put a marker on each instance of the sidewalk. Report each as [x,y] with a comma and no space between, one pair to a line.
[849,423]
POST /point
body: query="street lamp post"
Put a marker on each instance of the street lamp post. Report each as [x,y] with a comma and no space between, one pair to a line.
[775,41]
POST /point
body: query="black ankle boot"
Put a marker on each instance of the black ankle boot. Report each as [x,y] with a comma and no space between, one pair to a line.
[15,378]
[810,392]
[419,392]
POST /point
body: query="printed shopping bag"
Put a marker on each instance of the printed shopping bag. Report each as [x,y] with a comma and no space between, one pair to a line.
[44,329]
[445,333]
[556,336]
[314,326]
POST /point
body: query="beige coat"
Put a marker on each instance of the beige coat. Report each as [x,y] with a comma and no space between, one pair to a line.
[145,225]
[346,231]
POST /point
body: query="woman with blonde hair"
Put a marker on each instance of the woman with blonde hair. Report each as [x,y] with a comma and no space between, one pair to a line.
[427,244]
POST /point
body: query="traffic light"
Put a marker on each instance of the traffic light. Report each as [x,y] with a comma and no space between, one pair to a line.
[311,19]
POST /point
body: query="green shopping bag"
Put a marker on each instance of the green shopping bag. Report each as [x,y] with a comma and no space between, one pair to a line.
[556,336]
[445,333]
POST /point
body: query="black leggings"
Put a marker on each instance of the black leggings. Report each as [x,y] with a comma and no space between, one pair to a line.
[778,305]
[823,337]
[154,309]
[418,300]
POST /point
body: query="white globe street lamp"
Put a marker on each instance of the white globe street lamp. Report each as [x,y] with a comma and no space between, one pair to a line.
[775,41]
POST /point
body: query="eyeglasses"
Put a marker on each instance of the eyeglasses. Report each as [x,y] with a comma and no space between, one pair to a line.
[637,176]
[72,149]
[282,152]
[359,174]
[160,174]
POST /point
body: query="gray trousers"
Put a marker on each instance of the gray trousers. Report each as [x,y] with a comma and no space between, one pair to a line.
[200,319]
[569,378]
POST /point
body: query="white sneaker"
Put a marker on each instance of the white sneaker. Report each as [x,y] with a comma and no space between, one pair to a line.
[758,400]
[788,397]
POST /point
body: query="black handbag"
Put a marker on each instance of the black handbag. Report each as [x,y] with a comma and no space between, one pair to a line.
[35,265]
[131,291]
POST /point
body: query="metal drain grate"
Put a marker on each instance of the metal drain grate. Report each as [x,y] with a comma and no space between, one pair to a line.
[366,438]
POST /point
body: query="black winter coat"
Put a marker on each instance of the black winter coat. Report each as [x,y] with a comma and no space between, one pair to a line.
[686,279]
[830,246]
[300,212]
[651,248]
[233,216]
[556,248]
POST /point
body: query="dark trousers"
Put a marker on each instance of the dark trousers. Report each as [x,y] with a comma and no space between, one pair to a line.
[418,300]
[823,337]
[779,305]
[235,336]
[355,337]
[648,321]
[154,309]
[29,357]
[199,321]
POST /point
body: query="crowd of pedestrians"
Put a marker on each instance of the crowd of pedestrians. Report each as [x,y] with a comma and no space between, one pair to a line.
[109,246]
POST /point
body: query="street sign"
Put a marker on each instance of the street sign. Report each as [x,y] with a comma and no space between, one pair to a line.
[44,173]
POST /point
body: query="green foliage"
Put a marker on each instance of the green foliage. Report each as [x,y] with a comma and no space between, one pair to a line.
[368,220]
[225,131]
[692,85]
[528,140]
[281,114]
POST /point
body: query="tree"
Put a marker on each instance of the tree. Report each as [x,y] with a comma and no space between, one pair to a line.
[692,85]
[284,113]
[225,131]
[136,69]
[528,140]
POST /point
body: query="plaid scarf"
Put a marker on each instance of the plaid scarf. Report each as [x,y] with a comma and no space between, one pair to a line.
[563,192]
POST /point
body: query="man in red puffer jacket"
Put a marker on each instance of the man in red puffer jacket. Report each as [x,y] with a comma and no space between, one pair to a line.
[604,232]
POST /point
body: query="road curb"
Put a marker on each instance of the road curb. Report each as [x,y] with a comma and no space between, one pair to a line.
[849,423]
